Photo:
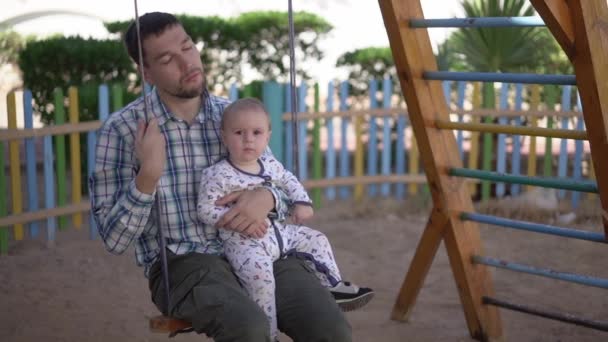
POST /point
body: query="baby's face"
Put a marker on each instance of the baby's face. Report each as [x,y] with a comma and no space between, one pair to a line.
[246,135]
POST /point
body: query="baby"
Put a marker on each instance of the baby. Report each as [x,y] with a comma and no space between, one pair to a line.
[246,130]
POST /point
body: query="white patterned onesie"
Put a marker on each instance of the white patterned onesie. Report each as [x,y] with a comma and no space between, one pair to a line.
[252,259]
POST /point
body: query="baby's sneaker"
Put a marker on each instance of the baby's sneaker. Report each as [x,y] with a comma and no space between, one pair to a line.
[350,296]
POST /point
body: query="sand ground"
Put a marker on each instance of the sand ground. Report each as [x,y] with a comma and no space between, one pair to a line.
[76,291]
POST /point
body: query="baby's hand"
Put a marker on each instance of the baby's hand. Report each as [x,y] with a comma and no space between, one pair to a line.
[302,213]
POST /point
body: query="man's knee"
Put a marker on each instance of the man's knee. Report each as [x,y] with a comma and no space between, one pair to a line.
[239,322]
[336,329]
[251,326]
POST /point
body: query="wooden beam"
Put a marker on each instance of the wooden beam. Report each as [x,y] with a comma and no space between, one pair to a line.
[73,208]
[412,53]
[17,134]
[421,263]
[164,324]
[589,60]
[556,15]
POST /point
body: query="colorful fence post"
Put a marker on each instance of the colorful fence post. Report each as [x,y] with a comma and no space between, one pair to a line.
[272,96]
[372,143]
[358,162]
[501,153]
[289,128]
[60,162]
[233,93]
[462,86]
[516,141]
[474,136]
[562,161]
[49,188]
[550,98]
[387,92]
[533,157]
[316,151]
[577,172]
[15,167]
[30,157]
[330,153]
[117,97]
[488,102]
[344,153]
[75,155]
[302,126]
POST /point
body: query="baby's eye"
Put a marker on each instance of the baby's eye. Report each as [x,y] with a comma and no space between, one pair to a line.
[238,132]
[257,132]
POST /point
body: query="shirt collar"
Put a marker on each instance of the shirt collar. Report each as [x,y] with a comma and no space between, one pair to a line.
[162,113]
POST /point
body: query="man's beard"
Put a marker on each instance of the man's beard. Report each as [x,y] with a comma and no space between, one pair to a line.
[193,92]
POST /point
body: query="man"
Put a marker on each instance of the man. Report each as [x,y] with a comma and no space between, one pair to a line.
[162,155]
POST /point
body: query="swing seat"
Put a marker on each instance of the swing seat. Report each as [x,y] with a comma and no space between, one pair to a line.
[172,326]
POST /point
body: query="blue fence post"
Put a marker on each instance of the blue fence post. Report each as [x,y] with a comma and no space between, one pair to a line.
[387,92]
[30,156]
[302,125]
[562,164]
[289,127]
[501,155]
[330,152]
[272,96]
[516,141]
[372,146]
[344,153]
[462,86]
[233,92]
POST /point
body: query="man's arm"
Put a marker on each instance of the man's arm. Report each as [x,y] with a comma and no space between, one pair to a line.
[120,209]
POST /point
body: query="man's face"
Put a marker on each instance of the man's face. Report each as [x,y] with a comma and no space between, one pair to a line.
[173,63]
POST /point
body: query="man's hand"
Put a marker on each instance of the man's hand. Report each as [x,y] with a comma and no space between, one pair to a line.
[302,213]
[151,154]
[248,213]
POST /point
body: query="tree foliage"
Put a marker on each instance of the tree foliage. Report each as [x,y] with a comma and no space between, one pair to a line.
[255,40]
[511,49]
[61,62]
[366,64]
[11,43]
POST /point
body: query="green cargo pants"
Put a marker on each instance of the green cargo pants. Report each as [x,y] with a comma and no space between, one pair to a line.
[205,292]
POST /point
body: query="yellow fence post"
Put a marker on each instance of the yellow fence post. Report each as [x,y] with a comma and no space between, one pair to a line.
[15,164]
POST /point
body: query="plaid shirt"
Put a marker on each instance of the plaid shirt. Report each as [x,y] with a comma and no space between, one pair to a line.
[125,215]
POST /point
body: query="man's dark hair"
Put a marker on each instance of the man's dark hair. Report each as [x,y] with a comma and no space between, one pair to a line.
[153,23]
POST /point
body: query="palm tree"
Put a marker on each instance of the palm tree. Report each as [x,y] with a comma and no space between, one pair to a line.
[513,49]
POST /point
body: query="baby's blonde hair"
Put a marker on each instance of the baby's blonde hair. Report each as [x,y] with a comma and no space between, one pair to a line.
[247,103]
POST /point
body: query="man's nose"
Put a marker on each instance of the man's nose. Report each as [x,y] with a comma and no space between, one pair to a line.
[183,63]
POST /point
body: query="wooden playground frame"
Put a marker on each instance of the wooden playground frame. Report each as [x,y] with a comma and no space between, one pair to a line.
[580,28]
